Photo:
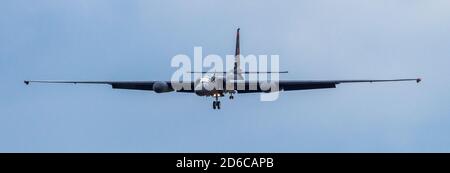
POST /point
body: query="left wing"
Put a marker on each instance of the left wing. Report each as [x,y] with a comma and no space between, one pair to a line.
[131,85]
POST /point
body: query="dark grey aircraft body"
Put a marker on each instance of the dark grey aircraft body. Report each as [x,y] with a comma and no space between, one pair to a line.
[228,83]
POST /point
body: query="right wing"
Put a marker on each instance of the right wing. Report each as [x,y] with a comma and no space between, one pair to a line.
[291,85]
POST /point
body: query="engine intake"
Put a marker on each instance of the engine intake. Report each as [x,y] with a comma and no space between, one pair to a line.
[161,87]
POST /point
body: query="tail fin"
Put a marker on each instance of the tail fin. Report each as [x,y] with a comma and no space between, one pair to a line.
[236,72]
[237,54]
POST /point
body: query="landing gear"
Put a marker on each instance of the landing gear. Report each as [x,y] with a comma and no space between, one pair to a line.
[231,94]
[216,103]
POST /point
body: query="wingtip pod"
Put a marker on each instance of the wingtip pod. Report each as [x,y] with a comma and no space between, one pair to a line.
[418,80]
[26,82]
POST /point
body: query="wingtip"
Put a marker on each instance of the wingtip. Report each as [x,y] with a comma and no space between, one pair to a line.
[418,80]
[26,82]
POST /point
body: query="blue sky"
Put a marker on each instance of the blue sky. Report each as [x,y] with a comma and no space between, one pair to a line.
[135,40]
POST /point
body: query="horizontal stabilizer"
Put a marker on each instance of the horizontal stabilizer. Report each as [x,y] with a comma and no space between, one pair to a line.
[245,72]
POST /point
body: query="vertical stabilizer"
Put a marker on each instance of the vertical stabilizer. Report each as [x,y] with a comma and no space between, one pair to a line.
[236,72]
[237,54]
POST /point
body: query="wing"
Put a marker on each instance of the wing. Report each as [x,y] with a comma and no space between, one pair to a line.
[131,85]
[309,84]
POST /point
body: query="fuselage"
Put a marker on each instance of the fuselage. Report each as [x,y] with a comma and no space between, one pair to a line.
[210,86]
[217,85]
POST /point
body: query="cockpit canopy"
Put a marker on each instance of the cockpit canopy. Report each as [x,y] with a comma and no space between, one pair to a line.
[204,79]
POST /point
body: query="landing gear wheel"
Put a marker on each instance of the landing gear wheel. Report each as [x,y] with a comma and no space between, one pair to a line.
[216,103]
[231,97]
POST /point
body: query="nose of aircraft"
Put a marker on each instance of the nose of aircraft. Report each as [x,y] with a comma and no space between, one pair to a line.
[200,89]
